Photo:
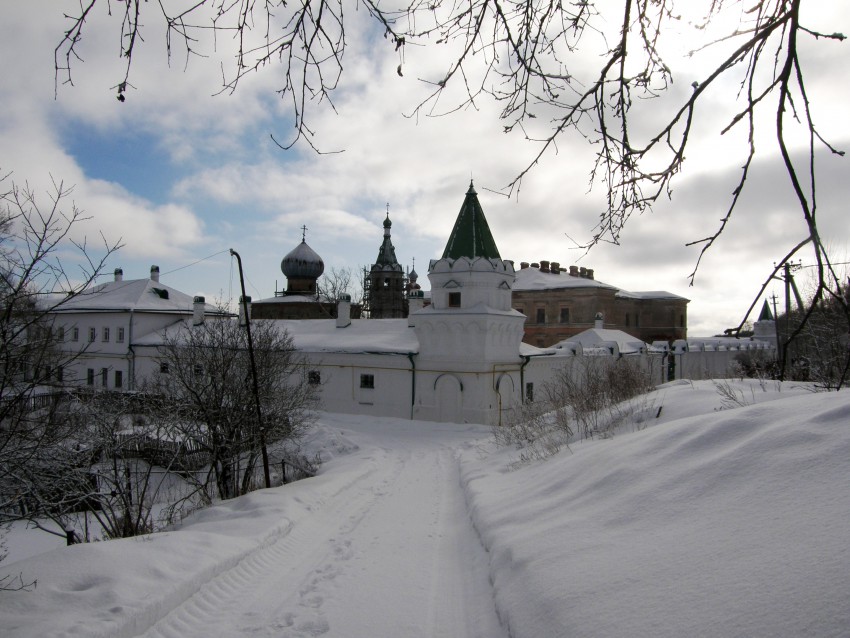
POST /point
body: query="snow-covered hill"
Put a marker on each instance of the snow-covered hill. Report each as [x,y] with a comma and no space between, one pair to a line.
[712,520]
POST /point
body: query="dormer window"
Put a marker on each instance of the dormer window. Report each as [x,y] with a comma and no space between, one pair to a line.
[454,300]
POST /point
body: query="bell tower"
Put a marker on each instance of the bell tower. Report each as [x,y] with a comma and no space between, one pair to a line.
[384,286]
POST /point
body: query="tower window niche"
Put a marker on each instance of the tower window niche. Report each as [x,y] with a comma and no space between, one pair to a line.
[454,300]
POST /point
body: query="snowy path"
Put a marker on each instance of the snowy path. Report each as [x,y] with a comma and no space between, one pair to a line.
[388,549]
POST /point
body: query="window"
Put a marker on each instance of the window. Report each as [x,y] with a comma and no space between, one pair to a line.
[60,335]
[104,372]
[119,379]
[529,392]
[367,381]
[541,315]
[92,334]
[314,377]
[90,376]
[105,335]
[454,300]
[163,367]
[75,334]
[681,321]
[60,374]
[198,370]
[565,315]
[120,338]
[628,320]
[637,320]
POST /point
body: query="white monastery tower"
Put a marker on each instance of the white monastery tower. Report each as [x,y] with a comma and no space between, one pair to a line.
[469,336]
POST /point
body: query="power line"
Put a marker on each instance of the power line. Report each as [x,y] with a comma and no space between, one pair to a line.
[221,252]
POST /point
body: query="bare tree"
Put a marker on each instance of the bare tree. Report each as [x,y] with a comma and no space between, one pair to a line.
[206,390]
[585,68]
[339,281]
[36,278]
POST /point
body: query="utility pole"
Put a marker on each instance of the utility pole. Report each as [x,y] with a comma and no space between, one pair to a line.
[244,302]
[788,278]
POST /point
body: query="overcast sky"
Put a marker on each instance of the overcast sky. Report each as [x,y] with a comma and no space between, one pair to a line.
[179,174]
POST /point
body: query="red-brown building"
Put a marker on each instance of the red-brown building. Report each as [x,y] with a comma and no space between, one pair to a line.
[560,303]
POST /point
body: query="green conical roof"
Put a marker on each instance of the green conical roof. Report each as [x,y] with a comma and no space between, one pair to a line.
[765,315]
[471,236]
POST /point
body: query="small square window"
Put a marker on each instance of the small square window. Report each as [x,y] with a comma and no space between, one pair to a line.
[367,381]
[60,335]
[105,335]
[90,376]
[75,334]
[92,334]
[104,374]
[314,377]
[565,315]
[163,367]
[541,315]
[120,338]
[454,300]
[198,370]
[119,379]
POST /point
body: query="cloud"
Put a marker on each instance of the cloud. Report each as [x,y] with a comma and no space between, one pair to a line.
[223,182]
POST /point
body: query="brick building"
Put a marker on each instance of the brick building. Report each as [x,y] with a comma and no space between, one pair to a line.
[560,303]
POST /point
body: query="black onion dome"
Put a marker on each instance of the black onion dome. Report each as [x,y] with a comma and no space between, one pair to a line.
[302,263]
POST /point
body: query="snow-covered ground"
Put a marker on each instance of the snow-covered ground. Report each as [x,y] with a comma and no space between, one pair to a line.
[712,520]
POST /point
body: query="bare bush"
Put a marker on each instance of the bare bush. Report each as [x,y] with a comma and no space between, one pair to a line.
[593,390]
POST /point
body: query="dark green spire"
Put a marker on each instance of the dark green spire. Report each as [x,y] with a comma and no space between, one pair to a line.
[386,253]
[765,315]
[471,236]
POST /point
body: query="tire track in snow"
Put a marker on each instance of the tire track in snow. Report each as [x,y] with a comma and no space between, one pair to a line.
[391,553]
[266,569]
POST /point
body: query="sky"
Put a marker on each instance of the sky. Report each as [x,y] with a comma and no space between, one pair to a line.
[719,515]
[179,173]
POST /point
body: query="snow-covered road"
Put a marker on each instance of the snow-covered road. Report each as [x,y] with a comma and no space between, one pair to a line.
[384,546]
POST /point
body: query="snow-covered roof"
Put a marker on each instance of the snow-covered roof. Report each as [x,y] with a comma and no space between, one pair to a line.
[361,335]
[139,295]
[383,336]
[535,279]
[649,294]
[602,337]
[290,299]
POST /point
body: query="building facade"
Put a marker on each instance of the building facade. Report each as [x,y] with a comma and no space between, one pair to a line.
[559,303]
[100,330]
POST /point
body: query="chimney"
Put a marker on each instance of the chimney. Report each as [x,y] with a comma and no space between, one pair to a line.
[155,273]
[415,303]
[119,274]
[243,302]
[197,310]
[590,273]
[534,264]
[555,268]
[523,265]
[573,271]
[343,313]
[544,265]
[598,321]
[582,272]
